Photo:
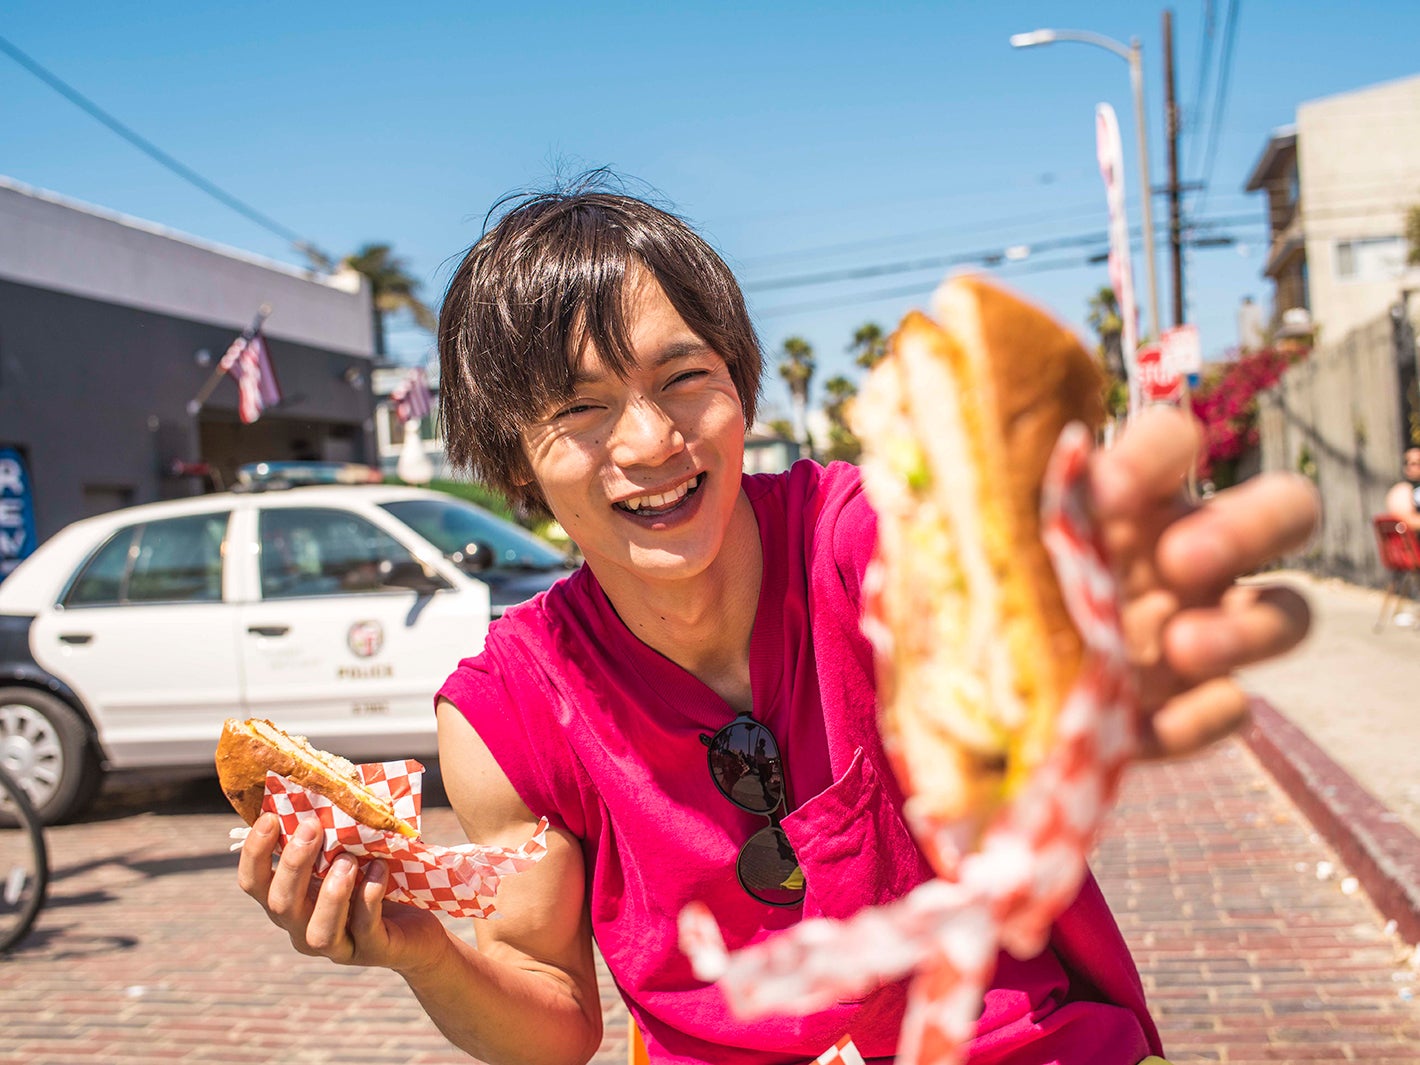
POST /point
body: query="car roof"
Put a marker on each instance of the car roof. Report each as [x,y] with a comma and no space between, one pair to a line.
[327,494]
[69,544]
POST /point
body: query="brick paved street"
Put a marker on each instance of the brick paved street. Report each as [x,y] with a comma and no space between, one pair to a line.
[150,954]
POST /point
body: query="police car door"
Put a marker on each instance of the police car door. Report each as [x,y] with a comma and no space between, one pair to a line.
[338,646]
[145,637]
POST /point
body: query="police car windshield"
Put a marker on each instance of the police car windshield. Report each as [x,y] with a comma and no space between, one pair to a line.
[453,526]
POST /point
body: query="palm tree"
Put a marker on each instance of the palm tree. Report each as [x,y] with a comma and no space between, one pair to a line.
[1106,321]
[796,366]
[392,289]
[1108,324]
[870,344]
[842,444]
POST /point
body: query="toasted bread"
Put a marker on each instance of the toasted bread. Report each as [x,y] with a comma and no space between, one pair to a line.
[247,749]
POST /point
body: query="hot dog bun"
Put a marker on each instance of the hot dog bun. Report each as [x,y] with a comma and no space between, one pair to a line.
[247,749]
[957,423]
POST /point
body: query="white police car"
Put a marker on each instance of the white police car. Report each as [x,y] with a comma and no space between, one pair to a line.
[336,611]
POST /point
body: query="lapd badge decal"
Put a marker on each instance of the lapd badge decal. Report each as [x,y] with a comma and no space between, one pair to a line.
[365,638]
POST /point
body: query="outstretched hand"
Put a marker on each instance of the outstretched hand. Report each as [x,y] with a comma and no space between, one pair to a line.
[1187,622]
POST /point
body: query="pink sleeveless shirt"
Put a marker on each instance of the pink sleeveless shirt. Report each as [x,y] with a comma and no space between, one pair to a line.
[603,735]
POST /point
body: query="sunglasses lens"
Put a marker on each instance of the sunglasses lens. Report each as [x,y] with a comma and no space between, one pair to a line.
[768,869]
[744,760]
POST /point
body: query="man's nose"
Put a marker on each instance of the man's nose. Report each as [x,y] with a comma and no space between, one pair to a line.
[644,434]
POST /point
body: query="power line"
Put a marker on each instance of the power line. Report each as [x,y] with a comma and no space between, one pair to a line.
[1205,66]
[926,286]
[779,212]
[1220,98]
[148,148]
[989,256]
[1059,214]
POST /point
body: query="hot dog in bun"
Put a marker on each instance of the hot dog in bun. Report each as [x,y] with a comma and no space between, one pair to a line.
[976,650]
[248,749]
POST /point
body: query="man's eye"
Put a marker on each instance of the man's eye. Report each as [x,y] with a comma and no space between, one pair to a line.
[573,409]
[688,375]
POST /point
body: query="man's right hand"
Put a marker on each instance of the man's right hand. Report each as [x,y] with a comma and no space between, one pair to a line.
[343,917]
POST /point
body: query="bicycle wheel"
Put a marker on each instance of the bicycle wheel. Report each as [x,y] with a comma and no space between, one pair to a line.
[24,863]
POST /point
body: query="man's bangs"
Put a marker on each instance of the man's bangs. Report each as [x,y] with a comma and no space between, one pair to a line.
[599,305]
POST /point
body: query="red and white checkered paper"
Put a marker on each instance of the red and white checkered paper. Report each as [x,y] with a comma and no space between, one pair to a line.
[842,1052]
[460,881]
[1028,867]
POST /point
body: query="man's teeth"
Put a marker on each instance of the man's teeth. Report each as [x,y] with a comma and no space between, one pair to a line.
[663,499]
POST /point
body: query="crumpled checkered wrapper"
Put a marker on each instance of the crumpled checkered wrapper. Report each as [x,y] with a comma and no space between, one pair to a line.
[1031,860]
[459,881]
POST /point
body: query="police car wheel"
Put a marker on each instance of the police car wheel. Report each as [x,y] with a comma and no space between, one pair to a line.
[46,747]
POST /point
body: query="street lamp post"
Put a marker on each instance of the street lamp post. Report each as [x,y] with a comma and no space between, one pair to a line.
[1131,55]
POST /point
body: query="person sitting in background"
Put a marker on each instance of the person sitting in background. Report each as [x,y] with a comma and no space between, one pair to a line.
[1403,499]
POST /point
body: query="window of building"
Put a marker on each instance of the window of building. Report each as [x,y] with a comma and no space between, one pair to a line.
[1370,259]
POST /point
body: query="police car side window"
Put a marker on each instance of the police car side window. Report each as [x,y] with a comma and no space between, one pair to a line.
[310,551]
[177,560]
[101,580]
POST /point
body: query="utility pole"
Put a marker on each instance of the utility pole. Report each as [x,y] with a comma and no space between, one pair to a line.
[1171,133]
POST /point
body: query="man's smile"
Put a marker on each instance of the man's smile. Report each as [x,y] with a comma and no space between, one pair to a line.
[661,502]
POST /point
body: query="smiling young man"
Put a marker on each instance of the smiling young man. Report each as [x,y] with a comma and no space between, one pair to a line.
[598,364]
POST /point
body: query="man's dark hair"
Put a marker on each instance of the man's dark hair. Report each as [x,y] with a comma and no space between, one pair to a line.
[549,278]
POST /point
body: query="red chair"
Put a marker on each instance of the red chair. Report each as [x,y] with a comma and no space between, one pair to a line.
[1400,555]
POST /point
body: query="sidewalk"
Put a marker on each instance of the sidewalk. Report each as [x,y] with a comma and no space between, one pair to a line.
[149,952]
[1252,939]
[1339,730]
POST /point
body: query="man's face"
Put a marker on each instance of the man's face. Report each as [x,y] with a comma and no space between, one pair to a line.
[644,473]
[1412,464]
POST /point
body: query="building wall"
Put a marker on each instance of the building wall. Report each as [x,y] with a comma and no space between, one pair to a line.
[96,395]
[50,242]
[110,327]
[1337,416]
[1359,160]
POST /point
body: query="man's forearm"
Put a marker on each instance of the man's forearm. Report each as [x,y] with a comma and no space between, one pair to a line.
[509,1014]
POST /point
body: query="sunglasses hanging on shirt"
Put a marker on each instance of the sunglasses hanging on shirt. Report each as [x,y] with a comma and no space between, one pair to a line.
[747,769]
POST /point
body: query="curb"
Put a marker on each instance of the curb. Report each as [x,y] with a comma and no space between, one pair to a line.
[1379,849]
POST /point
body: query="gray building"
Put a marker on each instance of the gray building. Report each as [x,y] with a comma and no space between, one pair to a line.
[1339,184]
[111,326]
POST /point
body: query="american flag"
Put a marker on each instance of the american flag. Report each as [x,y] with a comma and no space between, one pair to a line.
[249,364]
[411,397]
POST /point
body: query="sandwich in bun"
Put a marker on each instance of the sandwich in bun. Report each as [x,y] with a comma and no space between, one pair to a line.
[976,650]
[247,750]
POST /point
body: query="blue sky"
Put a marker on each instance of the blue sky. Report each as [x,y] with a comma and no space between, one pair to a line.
[800,138]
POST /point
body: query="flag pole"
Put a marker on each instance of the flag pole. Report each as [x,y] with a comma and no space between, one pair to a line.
[204,393]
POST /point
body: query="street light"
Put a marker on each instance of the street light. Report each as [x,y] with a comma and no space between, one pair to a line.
[1130,55]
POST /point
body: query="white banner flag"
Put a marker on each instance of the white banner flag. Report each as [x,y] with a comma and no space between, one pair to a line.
[1121,273]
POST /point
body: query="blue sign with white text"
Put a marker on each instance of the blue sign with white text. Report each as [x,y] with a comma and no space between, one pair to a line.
[17,511]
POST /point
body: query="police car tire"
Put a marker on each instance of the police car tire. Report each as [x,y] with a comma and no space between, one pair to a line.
[79,771]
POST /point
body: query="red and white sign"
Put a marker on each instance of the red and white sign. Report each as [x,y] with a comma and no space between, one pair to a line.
[1158,381]
[1183,353]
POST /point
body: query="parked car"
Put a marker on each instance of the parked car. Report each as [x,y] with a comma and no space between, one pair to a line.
[336,611]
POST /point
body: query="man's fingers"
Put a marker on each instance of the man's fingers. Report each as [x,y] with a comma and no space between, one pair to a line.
[1149,464]
[1253,622]
[254,865]
[326,929]
[289,893]
[1239,530]
[1190,721]
[367,909]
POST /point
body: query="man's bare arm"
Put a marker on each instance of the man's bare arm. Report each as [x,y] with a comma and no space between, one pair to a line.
[529,995]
